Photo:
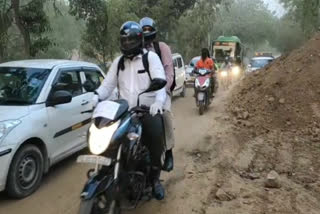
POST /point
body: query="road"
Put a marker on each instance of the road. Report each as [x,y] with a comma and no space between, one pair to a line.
[185,188]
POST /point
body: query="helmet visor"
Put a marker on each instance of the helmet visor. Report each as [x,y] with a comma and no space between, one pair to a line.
[129,42]
[147,29]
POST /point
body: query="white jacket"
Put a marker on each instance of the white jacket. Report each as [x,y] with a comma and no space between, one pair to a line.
[133,80]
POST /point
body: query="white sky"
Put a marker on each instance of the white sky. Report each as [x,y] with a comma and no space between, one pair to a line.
[275,6]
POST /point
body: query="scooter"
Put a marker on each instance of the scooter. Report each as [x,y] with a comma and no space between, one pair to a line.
[202,88]
[121,176]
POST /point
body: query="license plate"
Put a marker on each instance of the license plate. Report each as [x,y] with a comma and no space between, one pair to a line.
[93,159]
[200,96]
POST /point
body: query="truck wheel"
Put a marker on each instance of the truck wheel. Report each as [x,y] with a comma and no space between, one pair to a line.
[25,173]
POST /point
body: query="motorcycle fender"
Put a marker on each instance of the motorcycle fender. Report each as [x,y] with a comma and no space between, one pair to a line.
[201,96]
[94,186]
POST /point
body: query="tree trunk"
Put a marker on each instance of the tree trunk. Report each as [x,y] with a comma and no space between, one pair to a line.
[25,34]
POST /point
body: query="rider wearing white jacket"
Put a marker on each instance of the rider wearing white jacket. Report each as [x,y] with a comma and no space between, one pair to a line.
[128,74]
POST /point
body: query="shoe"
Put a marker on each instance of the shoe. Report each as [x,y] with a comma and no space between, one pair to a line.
[168,162]
[158,190]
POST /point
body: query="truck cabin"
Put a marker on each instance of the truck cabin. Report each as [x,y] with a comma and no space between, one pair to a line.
[227,46]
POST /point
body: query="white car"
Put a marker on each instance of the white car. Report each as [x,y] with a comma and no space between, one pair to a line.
[180,72]
[43,118]
[258,63]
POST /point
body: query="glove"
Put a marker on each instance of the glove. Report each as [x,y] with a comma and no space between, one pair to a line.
[156,108]
[95,100]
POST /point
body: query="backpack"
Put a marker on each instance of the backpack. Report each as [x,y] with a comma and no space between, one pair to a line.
[145,62]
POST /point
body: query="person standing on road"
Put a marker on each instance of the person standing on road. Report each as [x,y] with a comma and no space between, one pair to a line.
[164,52]
[129,74]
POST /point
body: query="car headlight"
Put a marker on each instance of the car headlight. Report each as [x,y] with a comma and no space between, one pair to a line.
[197,83]
[100,139]
[224,73]
[235,70]
[7,126]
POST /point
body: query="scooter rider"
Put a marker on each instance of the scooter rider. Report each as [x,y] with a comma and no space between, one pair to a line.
[226,64]
[207,63]
[128,73]
[164,52]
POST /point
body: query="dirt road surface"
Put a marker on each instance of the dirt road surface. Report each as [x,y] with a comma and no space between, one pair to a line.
[211,174]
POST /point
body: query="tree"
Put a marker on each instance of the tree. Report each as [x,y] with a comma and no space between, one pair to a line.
[32,23]
[304,12]
[103,20]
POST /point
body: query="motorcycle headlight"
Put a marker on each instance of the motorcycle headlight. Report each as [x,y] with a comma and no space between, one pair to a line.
[235,70]
[99,139]
[224,73]
[197,83]
[7,126]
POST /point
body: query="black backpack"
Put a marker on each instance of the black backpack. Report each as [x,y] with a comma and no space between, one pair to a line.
[145,62]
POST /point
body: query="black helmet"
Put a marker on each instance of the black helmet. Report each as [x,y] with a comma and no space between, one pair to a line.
[149,29]
[131,39]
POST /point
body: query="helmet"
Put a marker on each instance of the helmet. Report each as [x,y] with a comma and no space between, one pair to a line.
[131,39]
[149,28]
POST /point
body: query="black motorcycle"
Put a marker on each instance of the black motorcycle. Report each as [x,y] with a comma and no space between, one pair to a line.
[120,179]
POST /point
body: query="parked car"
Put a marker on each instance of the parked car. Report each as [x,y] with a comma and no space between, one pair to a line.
[43,118]
[258,63]
[180,72]
[190,68]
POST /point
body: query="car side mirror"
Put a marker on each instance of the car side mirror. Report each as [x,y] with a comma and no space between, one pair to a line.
[59,97]
[191,64]
[89,86]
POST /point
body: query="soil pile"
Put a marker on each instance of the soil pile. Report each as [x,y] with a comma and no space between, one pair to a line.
[283,96]
[276,120]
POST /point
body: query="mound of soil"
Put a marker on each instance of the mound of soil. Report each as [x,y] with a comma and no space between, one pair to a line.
[283,96]
[276,118]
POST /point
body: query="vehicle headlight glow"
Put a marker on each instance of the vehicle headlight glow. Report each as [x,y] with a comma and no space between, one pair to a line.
[7,126]
[224,73]
[235,70]
[100,139]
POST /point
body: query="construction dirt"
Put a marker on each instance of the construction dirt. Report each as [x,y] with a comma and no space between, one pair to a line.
[276,116]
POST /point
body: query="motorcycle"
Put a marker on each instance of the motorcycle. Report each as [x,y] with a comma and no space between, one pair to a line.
[120,179]
[202,89]
[228,76]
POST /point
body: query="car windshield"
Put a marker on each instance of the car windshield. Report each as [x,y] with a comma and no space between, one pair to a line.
[194,61]
[21,86]
[259,63]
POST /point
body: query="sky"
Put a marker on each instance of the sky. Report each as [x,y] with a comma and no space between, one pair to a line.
[275,6]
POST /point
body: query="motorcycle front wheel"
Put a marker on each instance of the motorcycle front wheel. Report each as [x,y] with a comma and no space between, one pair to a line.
[94,206]
[201,108]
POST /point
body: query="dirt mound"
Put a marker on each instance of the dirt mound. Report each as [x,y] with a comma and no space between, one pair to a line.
[285,95]
[276,118]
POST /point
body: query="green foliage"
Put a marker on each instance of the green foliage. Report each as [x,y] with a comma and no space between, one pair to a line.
[65,32]
[304,12]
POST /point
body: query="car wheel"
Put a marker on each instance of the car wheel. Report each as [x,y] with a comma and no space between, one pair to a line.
[25,172]
[183,93]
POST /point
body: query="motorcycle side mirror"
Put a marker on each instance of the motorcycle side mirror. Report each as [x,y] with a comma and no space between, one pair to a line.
[156,84]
